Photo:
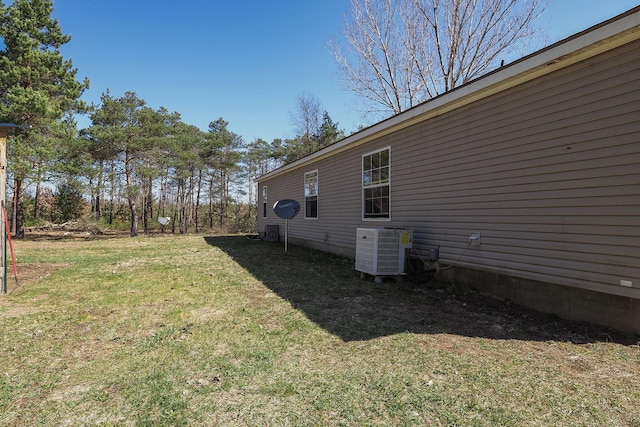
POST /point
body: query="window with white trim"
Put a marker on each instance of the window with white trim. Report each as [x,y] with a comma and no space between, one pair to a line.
[311,194]
[376,183]
[264,201]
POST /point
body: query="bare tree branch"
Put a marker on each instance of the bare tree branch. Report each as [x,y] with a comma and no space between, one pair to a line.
[403,52]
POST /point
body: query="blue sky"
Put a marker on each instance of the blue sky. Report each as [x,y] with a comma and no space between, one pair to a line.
[246,61]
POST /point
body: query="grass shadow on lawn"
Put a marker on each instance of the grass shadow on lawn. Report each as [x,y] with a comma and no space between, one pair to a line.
[328,290]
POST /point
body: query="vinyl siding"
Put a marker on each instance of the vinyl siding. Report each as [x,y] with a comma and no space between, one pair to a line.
[548,173]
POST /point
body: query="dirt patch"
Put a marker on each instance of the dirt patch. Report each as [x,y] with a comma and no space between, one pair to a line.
[29,274]
[50,234]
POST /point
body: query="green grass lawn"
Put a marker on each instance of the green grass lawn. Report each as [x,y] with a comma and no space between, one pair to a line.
[225,330]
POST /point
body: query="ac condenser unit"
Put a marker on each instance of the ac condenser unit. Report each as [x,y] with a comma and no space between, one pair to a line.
[382,251]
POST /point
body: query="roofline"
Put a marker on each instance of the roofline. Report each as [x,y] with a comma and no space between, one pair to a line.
[600,38]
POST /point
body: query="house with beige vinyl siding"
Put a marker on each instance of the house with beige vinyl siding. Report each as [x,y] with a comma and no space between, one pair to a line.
[538,161]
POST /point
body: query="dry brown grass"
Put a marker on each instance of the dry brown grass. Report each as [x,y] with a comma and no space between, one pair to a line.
[222,330]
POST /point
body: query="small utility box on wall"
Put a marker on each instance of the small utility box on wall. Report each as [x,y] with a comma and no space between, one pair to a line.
[382,251]
[272,233]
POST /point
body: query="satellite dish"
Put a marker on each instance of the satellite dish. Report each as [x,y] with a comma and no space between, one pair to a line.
[164,220]
[287,208]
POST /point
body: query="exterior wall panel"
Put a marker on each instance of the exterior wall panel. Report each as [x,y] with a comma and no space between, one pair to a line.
[554,196]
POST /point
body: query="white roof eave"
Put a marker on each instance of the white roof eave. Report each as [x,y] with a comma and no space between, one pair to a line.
[598,39]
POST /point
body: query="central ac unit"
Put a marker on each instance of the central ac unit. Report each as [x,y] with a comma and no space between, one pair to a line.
[382,251]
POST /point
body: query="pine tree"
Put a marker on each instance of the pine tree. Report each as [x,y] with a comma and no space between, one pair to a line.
[37,86]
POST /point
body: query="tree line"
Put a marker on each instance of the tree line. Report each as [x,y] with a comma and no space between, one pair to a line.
[135,163]
[164,167]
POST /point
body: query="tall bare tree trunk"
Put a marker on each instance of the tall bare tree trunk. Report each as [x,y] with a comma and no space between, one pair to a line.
[134,218]
[174,215]
[36,201]
[197,208]
[223,198]
[147,203]
[188,202]
[112,191]
[211,201]
[162,198]
[18,208]
[131,195]
[98,199]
